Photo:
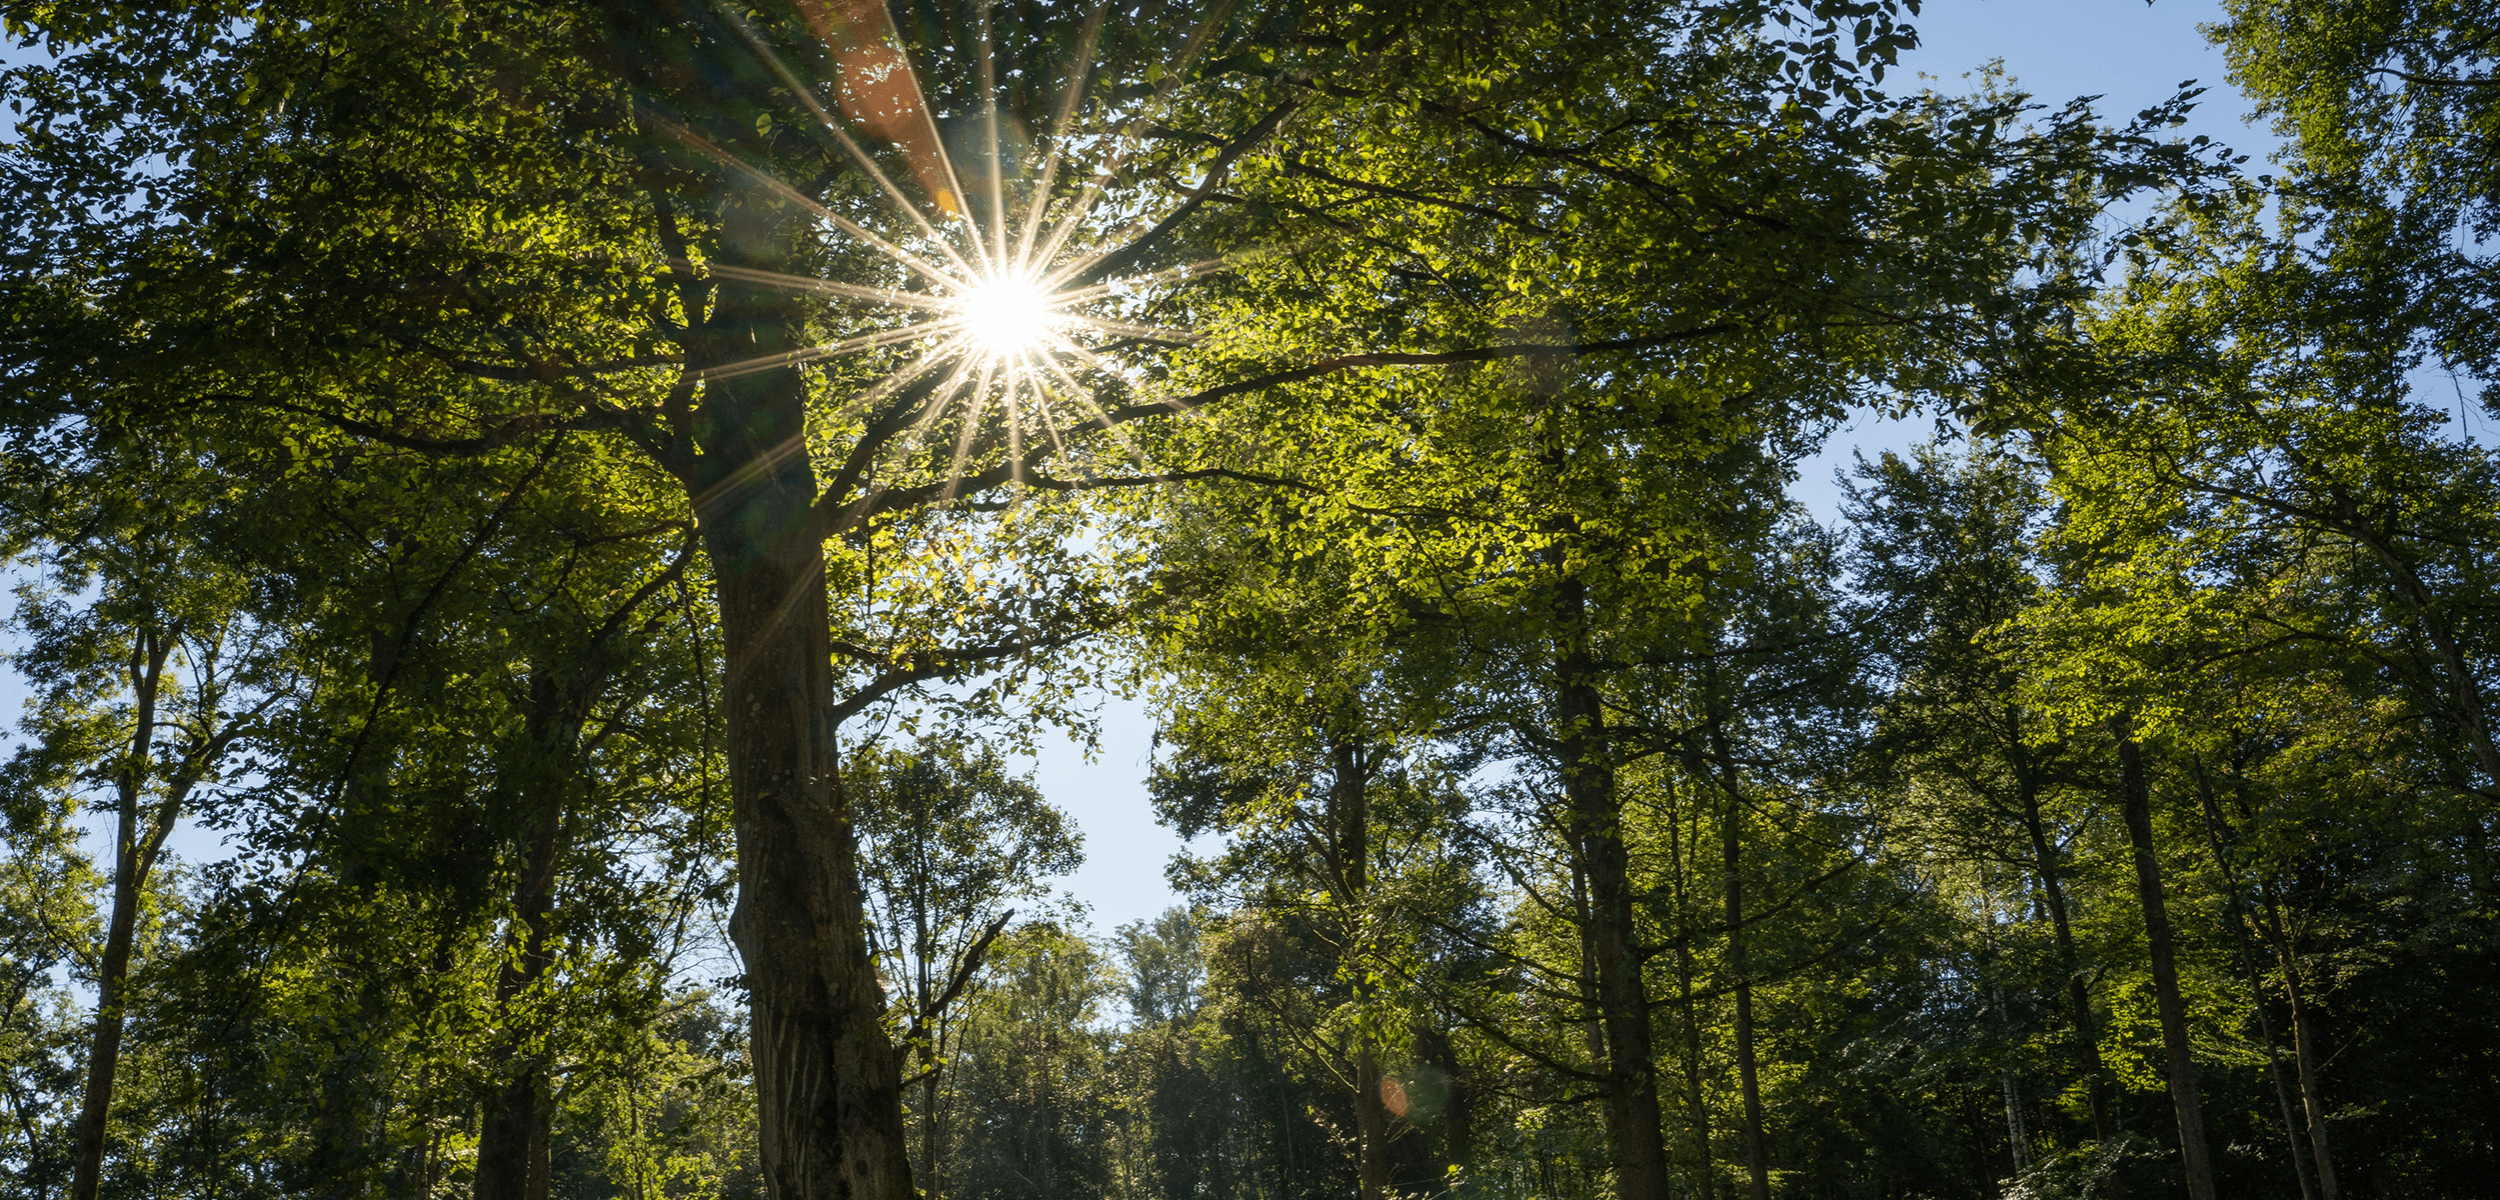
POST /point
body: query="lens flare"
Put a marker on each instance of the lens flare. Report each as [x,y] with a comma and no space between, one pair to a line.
[1006,316]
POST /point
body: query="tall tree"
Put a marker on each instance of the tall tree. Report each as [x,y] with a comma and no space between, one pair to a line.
[953,841]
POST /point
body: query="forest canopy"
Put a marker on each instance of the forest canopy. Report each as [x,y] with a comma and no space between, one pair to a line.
[585,503]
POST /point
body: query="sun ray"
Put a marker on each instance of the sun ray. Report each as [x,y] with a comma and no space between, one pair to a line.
[1108,367]
[1078,392]
[998,153]
[1125,142]
[1041,406]
[907,120]
[971,425]
[837,220]
[1013,416]
[1080,68]
[1096,291]
[842,137]
[810,283]
[898,378]
[808,354]
[987,309]
[1160,333]
[939,397]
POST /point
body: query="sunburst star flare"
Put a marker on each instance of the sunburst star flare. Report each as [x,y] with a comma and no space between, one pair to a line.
[1008,315]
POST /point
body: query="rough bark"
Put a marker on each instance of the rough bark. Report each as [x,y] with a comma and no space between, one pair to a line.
[2137,796]
[1596,829]
[512,1153]
[827,1076]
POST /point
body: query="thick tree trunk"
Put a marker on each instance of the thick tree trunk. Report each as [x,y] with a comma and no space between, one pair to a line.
[826,1073]
[512,1152]
[828,1079]
[1596,816]
[2137,796]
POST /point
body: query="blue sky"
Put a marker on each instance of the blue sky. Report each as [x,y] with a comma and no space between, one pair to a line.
[2131,53]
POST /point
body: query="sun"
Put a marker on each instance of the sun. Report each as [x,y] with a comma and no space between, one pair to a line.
[1006,316]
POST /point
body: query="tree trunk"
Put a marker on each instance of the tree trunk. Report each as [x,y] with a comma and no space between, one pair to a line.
[512,1152]
[1371,1124]
[1731,851]
[930,1174]
[2217,835]
[2078,998]
[104,1051]
[1458,1130]
[828,1080]
[2016,1137]
[2183,1099]
[134,856]
[2304,1051]
[1706,1174]
[1596,826]
[1349,802]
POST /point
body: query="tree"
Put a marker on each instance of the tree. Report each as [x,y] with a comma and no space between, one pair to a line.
[148,692]
[1947,549]
[952,840]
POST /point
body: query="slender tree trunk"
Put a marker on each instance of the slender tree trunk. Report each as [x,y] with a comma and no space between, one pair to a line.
[2078,998]
[827,1077]
[1371,1124]
[2016,1136]
[1349,801]
[1731,852]
[2304,1050]
[2274,1056]
[2217,835]
[1592,1009]
[2183,1098]
[1458,1127]
[1596,824]
[134,854]
[1706,1183]
[105,1046]
[929,1172]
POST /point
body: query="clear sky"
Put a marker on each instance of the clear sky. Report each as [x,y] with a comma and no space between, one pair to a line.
[2131,53]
